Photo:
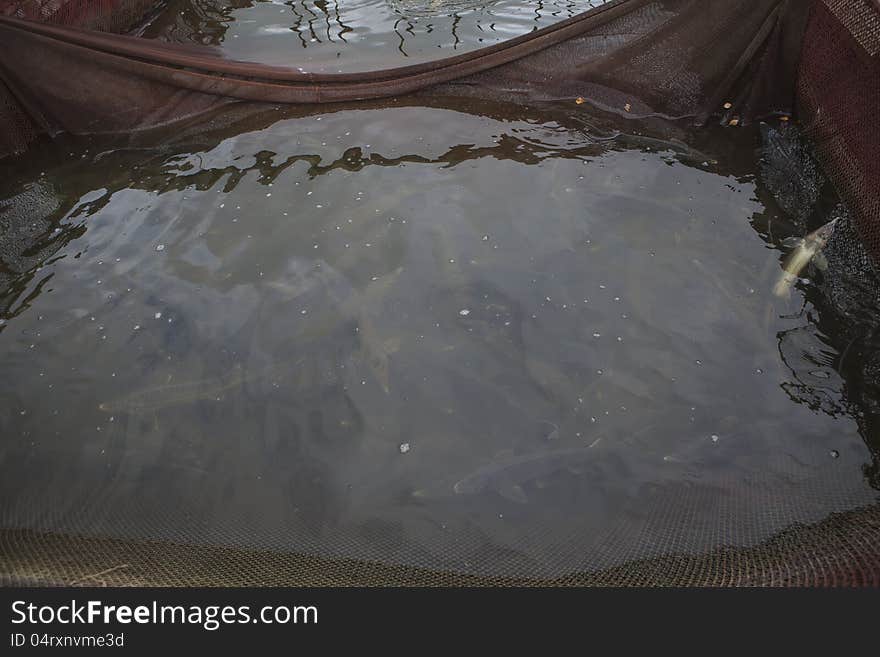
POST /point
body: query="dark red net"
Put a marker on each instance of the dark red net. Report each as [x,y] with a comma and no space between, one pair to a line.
[681,60]
[838,96]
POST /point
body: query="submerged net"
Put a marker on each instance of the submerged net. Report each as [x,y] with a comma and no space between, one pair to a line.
[661,63]
[676,58]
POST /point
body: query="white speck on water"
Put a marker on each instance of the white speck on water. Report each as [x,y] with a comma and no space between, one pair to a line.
[597,335]
[715,438]
[160,247]
[404,448]
[158,315]
[303,311]
[834,453]
[137,327]
[464,312]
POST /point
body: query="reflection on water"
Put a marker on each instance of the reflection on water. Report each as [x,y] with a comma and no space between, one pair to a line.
[413,331]
[349,35]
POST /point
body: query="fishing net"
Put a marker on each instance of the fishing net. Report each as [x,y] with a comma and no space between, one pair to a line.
[662,63]
[675,59]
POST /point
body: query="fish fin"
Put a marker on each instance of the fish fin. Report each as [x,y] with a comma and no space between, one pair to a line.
[820,261]
[513,492]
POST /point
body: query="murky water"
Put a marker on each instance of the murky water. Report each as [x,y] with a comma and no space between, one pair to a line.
[411,332]
[355,35]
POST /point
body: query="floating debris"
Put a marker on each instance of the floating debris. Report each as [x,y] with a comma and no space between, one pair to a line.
[404,448]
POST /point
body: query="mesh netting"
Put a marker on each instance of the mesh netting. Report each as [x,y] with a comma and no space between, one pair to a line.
[675,58]
[17,130]
[842,550]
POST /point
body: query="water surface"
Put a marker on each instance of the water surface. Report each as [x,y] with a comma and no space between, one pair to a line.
[459,335]
[354,35]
